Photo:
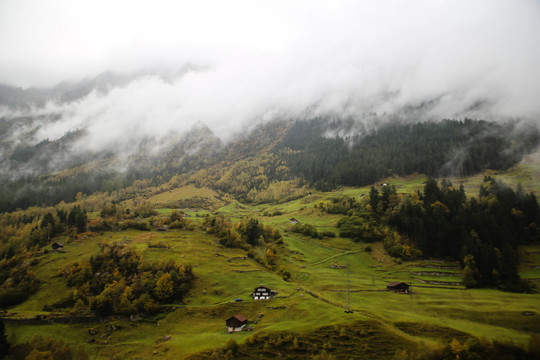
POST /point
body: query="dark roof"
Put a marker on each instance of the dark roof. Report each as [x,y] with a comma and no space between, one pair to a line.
[240,318]
[236,321]
[396,283]
[261,286]
[58,244]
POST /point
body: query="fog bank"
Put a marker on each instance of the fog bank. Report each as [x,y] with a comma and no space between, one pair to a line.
[230,65]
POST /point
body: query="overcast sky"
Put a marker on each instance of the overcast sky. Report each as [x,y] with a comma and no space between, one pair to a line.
[256,60]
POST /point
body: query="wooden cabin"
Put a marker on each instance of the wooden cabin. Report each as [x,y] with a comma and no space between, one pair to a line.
[57,246]
[263,293]
[293,221]
[236,323]
[398,287]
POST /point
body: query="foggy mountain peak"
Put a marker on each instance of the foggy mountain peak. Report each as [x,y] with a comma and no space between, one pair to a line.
[231,66]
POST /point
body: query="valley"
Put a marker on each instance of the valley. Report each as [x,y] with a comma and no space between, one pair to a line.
[256,180]
[310,301]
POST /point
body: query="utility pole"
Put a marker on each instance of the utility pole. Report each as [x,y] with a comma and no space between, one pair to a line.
[348,311]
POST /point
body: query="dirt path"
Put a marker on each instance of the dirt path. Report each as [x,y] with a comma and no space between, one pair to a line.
[335,256]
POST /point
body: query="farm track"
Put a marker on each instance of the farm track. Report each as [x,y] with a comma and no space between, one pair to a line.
[358,290]
[335,256]
[440,287]
[434,273]
[438,282]
[444,267]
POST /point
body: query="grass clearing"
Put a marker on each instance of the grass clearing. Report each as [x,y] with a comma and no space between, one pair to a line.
[310,306]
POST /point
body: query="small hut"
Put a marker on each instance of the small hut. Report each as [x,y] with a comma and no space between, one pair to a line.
[236,323]
[57,246]
[293,221]
[398,287]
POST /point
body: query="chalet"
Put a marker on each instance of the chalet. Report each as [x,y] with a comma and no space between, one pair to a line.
[398,287]
[263,293]
[57,246]
[236,323]
[293,221]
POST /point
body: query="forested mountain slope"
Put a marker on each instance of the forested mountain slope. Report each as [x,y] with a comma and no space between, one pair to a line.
[169,239]
[445,148]
[307,151]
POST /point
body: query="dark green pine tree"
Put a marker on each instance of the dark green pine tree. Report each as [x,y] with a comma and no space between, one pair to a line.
[253,231]
[4,345]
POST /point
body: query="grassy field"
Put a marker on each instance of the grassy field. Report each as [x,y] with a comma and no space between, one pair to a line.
[314,298]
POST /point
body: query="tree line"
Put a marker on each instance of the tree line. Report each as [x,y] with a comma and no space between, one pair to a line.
[277,159]
[482,232]
[448,147]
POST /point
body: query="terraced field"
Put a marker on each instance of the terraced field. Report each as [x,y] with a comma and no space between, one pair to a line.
[311,302]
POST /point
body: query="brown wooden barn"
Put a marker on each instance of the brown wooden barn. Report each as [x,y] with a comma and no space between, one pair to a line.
[57,246]
[398,287]
[236,323]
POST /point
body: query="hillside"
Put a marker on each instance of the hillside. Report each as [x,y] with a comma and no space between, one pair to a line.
[269,180]
[257,166]
[155,258]
[306,318]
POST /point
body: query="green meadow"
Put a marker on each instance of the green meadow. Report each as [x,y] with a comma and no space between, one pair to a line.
[328,276]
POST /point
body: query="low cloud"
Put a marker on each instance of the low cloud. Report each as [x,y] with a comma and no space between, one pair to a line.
[231,65]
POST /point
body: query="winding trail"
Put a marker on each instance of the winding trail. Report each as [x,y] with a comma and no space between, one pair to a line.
[335,256]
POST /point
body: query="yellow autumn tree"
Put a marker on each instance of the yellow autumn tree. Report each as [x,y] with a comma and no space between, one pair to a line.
[456,348]
[164,287]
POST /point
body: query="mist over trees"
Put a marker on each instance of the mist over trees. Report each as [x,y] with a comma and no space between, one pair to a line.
[157,164]
[255,167]
[281,161]
[448,147]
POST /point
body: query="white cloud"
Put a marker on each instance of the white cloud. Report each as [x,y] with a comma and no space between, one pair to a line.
[259,60]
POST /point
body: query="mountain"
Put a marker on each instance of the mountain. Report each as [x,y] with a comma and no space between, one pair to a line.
[66,92]
[161,243]
[52,171]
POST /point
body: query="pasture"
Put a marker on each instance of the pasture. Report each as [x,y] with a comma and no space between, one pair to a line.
[328,276]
